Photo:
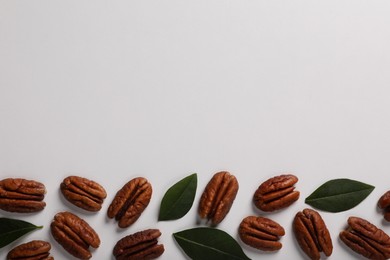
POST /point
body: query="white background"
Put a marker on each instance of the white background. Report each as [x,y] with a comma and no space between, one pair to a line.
[111,90]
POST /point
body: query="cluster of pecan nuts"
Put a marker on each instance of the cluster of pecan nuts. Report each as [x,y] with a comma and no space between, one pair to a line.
[76,236]
[73,233]
[310,230]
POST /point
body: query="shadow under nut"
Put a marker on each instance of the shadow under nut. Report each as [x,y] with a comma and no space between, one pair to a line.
[74,234]
[21,195]
[218,197]
[130,201]
[83,193]
[276,193]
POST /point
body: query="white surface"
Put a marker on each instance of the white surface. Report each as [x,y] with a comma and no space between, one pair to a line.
[111,90]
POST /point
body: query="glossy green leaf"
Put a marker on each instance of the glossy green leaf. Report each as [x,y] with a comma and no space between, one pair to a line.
[178,199]
[209,243]
[339,195]
[12,229]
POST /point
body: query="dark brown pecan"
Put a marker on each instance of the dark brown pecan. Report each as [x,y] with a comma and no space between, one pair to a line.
[276,193]
[74,234]
[33,250]
[21,195]
[312,234]
[140,245]
[83,193]
[384,203]
[130,201]
[218,197]
[366,239]
[261,233]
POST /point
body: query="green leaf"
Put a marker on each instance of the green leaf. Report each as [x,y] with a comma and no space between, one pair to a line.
[178,199]
[12,229]
[209,243]
[339,195]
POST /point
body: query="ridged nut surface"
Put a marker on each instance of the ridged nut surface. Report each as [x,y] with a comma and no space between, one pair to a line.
[140,245]
[21,195]
[276,193]
[130,201]
[83,193]
[74,234]
[312,234]
[261,233]
[384,203]
[33,250]
[366,239]
[218,197]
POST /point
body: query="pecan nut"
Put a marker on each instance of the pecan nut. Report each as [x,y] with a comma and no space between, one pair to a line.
[384,203]
[140,245]
[33,250]
[130,201]
[366,239]
[261,233]
[312,234]
[74,234]
[218,197]
[276,193]
[21,195]
[83,193]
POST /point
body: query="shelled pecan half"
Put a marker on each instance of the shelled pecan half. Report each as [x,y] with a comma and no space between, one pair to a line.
[140,245]
[33,250]
[261,233]
[384,203]
[312,234]
[366,239]
[83,193]
[276,193]
[74,234]
[21,195]
[218,197]
[130,201]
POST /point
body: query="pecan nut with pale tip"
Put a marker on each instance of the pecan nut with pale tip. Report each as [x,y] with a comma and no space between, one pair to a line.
[276,193]
[83,193]
[261,233]
[130,201]
[33,250]
[312,234]
[140,245]
[21,195]
[218,197]
[366,239]
[74,234]
[384,203]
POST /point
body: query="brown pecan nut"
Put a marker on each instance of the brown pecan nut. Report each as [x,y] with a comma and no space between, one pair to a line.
[130,201]
[74,234]
[366,239]
[83,193]
[261,233]
[312,234]
[33,250]
[21,195]
[384,203]
[140,245]
[276,193]
[218,197]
